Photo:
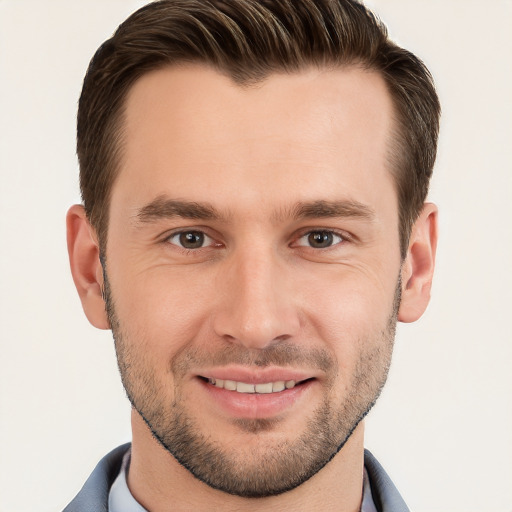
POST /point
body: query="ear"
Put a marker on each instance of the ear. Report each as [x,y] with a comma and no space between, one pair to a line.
[84,258]
[418,266]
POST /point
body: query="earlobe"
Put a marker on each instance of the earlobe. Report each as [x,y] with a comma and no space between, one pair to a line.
[84,258]
[418,267]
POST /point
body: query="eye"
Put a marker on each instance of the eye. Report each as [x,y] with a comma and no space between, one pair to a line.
[320,239]
[190,239]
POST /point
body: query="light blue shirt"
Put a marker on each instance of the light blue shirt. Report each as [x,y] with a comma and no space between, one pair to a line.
[120,499]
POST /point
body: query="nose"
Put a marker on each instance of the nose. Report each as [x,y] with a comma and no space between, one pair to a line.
[257,306]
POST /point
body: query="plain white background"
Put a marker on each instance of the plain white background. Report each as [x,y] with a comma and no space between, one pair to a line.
[443,427]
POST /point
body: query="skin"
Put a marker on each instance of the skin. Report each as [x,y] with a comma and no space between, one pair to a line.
[256,287]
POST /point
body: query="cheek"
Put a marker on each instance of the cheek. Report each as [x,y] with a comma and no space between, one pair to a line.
[350,312]
[160,311]
[350,297]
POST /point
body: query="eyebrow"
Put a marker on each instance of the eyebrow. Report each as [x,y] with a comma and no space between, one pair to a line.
[332,209]
[166,208]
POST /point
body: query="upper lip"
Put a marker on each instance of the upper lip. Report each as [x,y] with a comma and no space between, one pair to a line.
[255,375]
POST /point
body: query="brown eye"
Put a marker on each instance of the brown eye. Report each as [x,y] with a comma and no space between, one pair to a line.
[320,239]
[190,239]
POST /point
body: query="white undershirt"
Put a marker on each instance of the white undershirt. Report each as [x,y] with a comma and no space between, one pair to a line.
[120,499]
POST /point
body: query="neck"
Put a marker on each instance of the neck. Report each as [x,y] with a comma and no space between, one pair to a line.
[159,483]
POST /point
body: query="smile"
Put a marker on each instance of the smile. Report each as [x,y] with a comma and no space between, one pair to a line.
[240,393]
[244,387]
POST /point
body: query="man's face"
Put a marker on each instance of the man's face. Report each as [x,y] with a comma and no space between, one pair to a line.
[253,244]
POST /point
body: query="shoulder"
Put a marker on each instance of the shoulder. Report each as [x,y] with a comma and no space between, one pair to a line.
[384,493]
[94,493]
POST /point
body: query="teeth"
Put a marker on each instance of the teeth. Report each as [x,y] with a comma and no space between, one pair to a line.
[229,384]
[278,386]
[243,387]
[264,388]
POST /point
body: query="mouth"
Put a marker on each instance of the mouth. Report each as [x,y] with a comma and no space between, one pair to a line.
[252,396]
[263,388]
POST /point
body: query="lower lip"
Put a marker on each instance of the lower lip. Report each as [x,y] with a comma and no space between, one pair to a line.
[256,405]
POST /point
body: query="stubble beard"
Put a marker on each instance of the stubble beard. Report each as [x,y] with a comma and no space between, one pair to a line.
[262,470]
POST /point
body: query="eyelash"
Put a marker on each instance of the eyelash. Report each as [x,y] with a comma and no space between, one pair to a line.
[342,236]
[331,232]
[190,231]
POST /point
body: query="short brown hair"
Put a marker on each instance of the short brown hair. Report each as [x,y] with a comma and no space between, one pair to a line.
[248,40]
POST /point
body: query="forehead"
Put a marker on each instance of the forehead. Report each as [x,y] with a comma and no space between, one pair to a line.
[190,131]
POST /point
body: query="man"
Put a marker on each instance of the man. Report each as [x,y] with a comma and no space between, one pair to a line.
[254,176]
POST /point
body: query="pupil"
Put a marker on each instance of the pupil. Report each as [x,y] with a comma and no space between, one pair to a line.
[320,239]
[192,240]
